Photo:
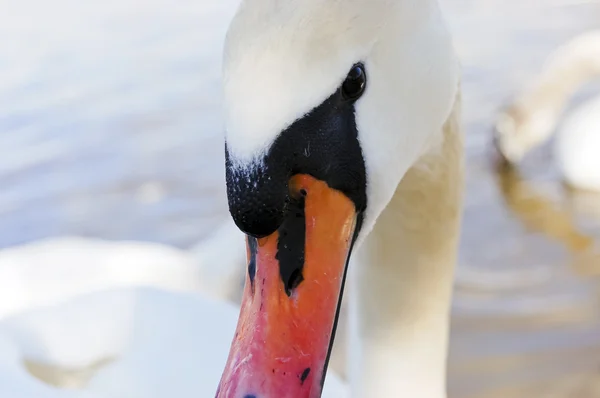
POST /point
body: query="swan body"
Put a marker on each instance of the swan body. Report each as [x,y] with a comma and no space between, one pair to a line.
[577,146]
[531,119]
[225,247]
[111,320]
[49,271]
[123,264]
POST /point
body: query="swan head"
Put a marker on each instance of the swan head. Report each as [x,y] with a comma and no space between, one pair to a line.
[328,103]
[518,130]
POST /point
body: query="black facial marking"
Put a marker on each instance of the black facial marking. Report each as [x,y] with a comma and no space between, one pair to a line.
[253,246]
[290,246]
[304,375]
[323,143]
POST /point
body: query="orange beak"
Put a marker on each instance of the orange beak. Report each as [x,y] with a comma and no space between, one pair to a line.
[291,298]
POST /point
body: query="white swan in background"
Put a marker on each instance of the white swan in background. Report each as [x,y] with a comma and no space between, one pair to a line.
[52,270]
[533,116]
[221,260]
[358,102]
[111,320]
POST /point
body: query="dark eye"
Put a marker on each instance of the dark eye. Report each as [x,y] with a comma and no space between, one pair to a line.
[355,83]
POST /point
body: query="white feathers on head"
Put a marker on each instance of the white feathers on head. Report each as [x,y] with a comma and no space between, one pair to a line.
[284,57]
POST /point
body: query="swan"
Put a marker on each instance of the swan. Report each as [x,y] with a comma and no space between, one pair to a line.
[531,118]
[343,144]
[342,140]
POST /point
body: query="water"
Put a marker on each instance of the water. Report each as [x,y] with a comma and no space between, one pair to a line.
[102,135]
[526,319]
[104,128]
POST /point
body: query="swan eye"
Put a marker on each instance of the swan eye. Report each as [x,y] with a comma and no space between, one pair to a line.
[355,83]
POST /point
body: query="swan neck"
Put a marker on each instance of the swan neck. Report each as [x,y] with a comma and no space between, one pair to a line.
[401,288]
[566,70]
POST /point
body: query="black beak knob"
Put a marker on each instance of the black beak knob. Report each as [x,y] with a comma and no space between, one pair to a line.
[257,197]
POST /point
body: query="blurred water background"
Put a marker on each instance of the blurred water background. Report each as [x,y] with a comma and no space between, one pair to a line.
[106,130]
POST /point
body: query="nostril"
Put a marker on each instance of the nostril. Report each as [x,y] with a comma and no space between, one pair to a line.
[290,246]
[293,281]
